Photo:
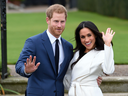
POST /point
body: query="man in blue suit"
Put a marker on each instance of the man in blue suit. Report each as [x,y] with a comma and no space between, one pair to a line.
[37,59]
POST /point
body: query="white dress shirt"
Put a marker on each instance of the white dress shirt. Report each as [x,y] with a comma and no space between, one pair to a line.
[61,52]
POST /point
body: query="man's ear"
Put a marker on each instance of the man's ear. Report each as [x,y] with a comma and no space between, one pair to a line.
[47,20]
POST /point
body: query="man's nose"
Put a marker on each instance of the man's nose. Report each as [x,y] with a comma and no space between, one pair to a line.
[59,24]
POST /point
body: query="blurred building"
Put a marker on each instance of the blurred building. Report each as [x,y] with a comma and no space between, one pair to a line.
[35,2]
[27,3]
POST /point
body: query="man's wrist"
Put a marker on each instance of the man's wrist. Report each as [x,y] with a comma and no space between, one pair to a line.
[27,73]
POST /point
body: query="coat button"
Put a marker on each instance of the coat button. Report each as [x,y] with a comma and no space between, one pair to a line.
[55,91]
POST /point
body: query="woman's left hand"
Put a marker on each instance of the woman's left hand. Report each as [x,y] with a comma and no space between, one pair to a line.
[108,36]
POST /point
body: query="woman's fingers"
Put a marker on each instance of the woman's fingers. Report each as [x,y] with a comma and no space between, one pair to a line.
[111,31]
[102,34]
[108,30]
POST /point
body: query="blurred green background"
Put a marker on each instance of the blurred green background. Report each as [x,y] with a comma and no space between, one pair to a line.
[20,26]
[104,13]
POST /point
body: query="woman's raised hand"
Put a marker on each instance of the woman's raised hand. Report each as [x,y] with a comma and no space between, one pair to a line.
[107,37]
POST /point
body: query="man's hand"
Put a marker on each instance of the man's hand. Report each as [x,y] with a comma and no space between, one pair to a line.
[99,80]
[30,65]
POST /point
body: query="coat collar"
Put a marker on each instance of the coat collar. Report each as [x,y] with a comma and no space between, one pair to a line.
[82,67]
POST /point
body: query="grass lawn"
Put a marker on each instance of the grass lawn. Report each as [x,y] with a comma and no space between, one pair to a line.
[20,26]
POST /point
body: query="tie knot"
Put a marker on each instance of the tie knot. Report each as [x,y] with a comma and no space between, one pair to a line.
[57,41]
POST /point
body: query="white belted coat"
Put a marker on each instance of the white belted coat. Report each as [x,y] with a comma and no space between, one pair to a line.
[82,79]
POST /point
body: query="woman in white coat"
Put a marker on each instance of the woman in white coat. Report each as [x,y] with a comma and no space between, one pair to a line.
[93,57]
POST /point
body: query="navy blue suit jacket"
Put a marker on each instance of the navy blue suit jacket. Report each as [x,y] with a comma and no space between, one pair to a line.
[43,82]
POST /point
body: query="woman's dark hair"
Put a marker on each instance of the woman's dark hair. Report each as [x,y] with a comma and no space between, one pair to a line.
[99,41]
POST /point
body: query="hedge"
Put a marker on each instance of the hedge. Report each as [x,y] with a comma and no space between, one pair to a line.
[117,8]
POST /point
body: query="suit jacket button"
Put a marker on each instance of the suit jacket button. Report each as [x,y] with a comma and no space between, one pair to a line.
[55,91]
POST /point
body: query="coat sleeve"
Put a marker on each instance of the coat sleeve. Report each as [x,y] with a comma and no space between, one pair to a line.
[67,79]
[29,49]
[108,64]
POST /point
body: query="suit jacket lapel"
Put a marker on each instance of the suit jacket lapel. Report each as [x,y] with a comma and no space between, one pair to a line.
[48,47]
[65,59]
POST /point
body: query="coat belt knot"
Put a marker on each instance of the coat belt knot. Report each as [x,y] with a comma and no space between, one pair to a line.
[75,89]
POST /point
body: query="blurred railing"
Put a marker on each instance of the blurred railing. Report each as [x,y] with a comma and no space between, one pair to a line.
[3,39]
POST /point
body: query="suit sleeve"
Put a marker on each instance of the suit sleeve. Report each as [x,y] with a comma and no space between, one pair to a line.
[29,49]
[108,64]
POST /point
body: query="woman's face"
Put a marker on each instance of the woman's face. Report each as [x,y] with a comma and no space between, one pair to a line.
[87,38]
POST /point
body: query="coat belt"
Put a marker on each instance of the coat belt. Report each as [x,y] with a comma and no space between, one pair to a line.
[76,90]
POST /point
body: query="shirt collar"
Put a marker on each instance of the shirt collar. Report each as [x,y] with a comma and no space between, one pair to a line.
[52,38]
